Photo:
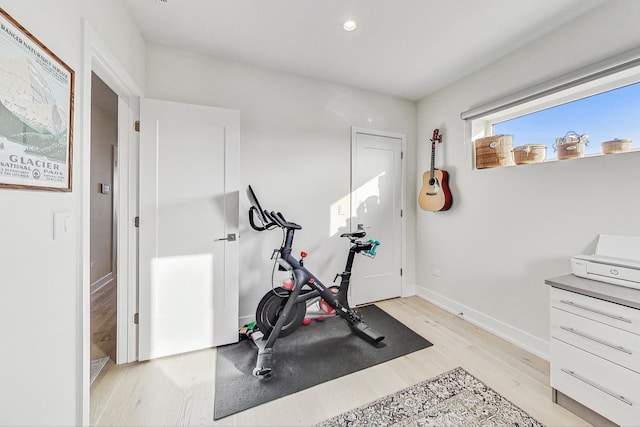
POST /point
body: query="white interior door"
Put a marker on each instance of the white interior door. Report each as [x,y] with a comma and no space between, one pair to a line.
[189,158]
[376,207]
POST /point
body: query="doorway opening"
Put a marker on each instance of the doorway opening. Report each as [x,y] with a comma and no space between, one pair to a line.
[103,228]
[105,65]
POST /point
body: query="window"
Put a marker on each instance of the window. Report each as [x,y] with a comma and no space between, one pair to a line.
[604,117]
[598,104]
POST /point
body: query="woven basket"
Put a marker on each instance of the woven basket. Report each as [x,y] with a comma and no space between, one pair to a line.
[571,146]
[493,151]
[616,146]
[571,150]
[532,153]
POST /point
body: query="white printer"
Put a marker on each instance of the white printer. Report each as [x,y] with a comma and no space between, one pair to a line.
[617,261]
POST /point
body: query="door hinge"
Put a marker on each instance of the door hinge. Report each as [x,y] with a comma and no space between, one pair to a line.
[136,126]
[401,155]
[136,319]
[400,272]
[401,213]
[136,222]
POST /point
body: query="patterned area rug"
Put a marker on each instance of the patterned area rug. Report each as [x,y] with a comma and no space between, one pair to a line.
[455,398]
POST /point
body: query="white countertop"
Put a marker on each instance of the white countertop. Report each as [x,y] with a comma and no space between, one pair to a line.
[601,290]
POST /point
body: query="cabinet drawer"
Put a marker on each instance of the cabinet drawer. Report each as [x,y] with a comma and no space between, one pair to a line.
[606,388]
[610,343]
[620,316]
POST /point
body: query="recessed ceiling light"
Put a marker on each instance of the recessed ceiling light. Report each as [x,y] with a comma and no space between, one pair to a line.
[349,25]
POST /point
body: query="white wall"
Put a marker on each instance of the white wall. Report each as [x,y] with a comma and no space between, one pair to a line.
[507,231]
[295,150]
[511,228]
[40,285]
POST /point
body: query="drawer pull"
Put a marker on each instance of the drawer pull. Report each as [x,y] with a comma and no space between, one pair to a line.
[598,340]
[599,387]
[593,310]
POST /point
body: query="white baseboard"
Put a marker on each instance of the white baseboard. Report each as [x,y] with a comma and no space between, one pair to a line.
[516,336]
[408,290]
[102,282]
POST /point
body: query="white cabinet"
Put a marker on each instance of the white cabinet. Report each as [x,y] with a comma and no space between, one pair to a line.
[616,315]
[595,354]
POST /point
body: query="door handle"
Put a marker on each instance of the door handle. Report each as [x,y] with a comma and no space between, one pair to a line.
[230,238]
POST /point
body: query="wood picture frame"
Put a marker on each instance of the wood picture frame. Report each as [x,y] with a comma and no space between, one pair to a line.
[36,112]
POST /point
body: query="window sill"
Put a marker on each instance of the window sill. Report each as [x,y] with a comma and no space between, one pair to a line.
[555,160]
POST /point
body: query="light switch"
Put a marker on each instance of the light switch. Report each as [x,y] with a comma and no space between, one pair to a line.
[62,225]
[105,188]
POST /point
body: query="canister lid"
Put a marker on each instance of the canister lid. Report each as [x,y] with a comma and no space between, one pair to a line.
[529,147]
[618,140]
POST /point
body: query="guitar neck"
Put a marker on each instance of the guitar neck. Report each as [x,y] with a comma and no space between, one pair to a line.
[433,159]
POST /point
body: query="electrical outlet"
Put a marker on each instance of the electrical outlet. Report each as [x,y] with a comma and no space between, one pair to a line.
[435,272]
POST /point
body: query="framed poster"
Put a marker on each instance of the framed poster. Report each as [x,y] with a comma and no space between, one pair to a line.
[36,112]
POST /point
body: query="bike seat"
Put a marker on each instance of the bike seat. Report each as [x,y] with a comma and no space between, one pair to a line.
[355,234]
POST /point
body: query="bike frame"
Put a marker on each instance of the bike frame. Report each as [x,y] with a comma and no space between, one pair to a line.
[303,277]
[339,301]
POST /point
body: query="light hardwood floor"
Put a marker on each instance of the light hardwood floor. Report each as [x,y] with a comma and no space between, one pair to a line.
[103,322]
[179,390]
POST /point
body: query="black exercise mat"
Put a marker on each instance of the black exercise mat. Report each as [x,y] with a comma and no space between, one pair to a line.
[319,352]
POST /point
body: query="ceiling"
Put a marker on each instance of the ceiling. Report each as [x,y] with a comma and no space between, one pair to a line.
[403,48]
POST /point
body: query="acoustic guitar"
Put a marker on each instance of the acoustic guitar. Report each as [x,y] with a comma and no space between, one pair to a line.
[435,194]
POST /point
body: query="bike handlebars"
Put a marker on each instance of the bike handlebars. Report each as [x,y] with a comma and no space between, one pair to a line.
[268,219]
[267,226]
[283,223]
[273,219]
